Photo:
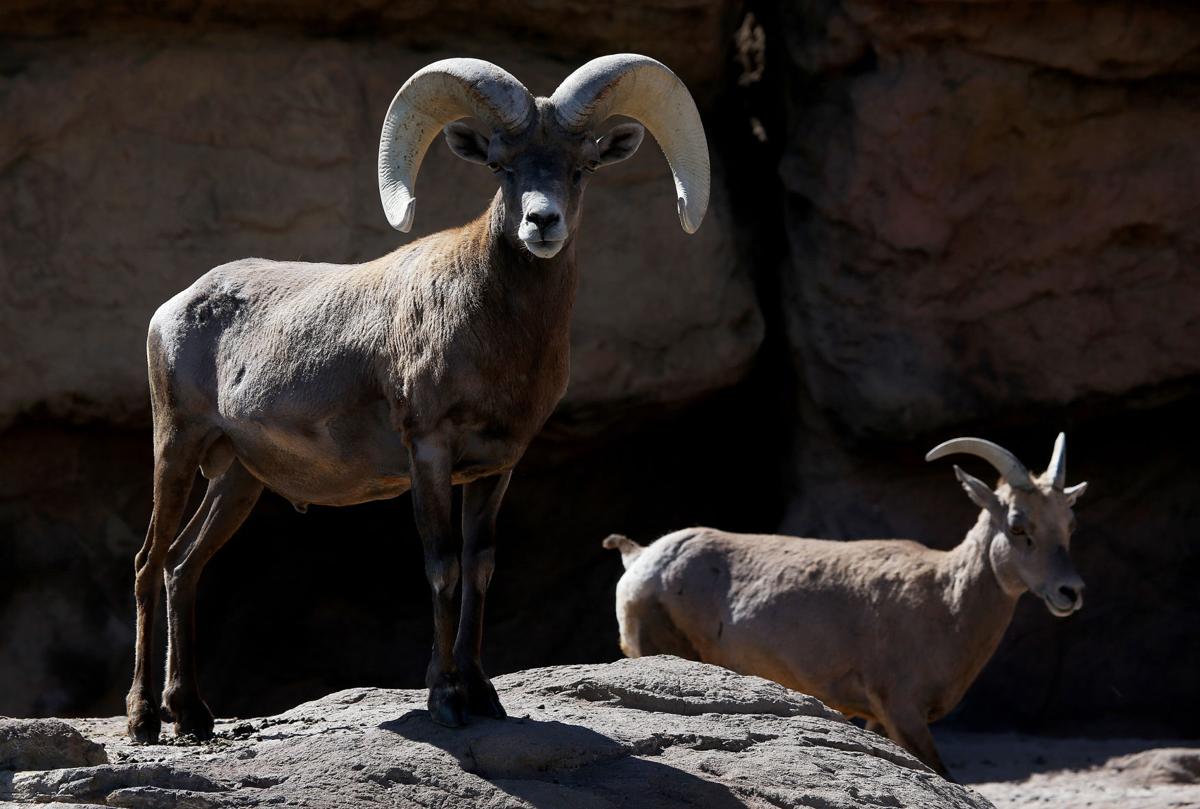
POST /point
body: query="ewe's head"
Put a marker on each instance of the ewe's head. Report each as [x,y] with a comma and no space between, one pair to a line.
[542,150]
[1032,519]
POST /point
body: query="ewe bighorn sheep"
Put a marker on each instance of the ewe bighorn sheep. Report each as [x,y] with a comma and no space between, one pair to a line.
[430,367]
[887,630]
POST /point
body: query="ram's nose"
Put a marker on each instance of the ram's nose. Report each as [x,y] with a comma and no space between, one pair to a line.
[543,220]
[542,227]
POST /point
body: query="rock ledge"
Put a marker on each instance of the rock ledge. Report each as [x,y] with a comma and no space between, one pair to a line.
[651,732]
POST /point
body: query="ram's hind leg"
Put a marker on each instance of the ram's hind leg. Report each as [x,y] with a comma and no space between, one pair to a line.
[228,501]
[176,457]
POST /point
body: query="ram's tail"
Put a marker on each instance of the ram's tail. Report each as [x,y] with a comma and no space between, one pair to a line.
[629,549]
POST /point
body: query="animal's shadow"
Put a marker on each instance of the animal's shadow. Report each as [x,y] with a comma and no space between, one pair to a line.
[976,758]
[552,764]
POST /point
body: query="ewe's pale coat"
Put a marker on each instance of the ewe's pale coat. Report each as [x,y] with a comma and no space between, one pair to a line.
[887,630]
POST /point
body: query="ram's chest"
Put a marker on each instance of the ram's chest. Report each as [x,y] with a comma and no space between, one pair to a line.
[487,394]
[512,393]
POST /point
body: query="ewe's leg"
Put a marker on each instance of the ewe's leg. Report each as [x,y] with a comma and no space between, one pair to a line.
[176,459]
[907,728]
[481,502]
[431,495]
[228,501]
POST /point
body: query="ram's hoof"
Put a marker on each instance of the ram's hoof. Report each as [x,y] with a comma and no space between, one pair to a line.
[448,703]
[144,724]
[482,699]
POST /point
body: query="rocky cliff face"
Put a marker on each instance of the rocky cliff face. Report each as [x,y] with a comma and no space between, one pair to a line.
[989,209]
[928,219]
[650,732]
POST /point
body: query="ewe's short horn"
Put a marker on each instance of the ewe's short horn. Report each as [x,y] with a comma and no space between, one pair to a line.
[1005,462]
[436,95]
[1057,470]
[647,91]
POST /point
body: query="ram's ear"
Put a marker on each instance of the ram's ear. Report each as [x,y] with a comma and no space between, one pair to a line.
[979,492]
[620,143]
[466,142]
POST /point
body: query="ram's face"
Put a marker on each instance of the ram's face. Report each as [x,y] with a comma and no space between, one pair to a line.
[542,179]
[542,174]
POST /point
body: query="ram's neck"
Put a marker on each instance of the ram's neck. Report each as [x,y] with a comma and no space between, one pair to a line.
[544,285]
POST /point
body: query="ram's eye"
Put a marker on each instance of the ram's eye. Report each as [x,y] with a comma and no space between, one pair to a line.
[497,168]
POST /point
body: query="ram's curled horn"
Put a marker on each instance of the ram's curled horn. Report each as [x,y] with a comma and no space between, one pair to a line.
[436,95]
[645,90]
[1005,462]
[1057,470]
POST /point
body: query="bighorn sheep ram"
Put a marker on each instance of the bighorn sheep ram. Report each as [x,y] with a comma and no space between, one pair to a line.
[887,630]
[430,367]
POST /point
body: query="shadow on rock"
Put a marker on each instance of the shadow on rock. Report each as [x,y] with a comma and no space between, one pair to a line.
[551,763]
[976,758]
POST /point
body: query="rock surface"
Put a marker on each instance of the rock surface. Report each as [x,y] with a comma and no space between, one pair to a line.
[45,744]
[653,732]
[1018,771]
[1167,765]
[689,35]
[991,208]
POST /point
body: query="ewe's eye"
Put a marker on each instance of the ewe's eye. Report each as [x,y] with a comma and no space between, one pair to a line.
[1017,528]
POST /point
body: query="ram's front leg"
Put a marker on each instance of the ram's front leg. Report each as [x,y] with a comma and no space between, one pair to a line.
[481,502]
[431,493]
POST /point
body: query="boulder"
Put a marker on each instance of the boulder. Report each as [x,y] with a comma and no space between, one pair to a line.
[655,731]
[1164,765]
[45,744]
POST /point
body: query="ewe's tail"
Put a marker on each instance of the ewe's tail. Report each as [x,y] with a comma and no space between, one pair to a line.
[629,549]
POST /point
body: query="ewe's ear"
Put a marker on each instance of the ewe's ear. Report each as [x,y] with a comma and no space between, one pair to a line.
[466,142]
[620,143]
[979,492]
[1073,493]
